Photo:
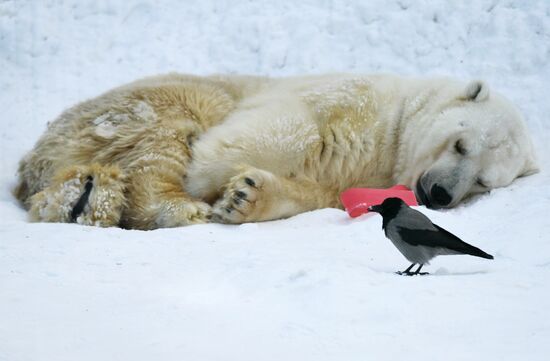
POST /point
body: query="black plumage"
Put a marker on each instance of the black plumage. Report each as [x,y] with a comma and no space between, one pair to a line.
[417,238]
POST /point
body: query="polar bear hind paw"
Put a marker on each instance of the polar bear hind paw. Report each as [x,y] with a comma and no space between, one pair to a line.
[88,195]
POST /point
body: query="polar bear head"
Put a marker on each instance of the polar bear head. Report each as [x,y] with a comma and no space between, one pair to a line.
[462,140]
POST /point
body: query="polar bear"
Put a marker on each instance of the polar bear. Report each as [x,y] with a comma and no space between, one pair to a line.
[174,150]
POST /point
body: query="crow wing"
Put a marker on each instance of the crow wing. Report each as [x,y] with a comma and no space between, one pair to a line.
[439,238]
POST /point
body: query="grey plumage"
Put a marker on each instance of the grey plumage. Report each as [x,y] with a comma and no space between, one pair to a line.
[417,238]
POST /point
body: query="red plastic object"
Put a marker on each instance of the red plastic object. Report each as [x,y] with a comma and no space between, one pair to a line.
[358,200]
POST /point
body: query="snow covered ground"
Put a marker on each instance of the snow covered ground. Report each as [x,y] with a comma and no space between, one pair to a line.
[318,286]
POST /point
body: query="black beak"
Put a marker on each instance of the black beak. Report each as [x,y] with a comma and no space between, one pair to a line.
[377,208]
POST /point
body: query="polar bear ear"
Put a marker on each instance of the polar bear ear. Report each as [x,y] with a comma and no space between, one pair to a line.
[476,91]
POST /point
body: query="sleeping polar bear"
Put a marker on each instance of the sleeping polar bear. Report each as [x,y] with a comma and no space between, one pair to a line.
[175,150]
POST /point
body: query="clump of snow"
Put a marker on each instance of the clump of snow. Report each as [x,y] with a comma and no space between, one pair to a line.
[317,286]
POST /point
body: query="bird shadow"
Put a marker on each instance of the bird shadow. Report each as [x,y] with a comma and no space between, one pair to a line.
[445,272]
[440,272]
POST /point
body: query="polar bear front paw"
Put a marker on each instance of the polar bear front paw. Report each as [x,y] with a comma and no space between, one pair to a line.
[184,212]
[246,198]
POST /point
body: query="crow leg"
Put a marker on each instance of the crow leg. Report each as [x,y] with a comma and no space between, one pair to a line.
[417,272]
[407,272]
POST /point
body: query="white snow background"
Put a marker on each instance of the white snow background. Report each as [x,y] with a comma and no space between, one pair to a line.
[318,286]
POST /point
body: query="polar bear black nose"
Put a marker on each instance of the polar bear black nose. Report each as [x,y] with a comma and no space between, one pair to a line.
[440,196]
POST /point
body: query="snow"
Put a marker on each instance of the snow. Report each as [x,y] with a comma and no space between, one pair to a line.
[318,286]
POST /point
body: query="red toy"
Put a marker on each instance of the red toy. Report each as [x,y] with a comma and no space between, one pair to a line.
[358,200]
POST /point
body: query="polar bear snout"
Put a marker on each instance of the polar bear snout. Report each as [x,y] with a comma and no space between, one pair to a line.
[440,196]
[437,196]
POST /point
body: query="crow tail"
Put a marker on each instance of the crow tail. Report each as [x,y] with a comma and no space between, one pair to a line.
[474,251]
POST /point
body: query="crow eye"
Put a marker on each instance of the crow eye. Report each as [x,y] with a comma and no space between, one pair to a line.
[481,183]
[459,147]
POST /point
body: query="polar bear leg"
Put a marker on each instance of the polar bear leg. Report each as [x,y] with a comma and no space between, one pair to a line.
[258,195]
[156,200]
[88,195]
[155,194]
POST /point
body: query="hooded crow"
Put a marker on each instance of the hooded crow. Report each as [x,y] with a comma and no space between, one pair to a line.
[417,238]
